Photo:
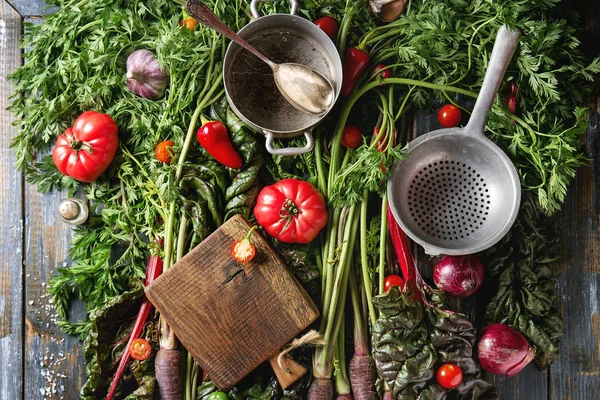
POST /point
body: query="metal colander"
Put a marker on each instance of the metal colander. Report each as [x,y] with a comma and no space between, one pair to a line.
[457,192]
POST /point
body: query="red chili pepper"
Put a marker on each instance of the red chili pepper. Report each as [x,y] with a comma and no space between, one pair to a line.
[213,136]
[379,72]
[512,98]
[356,62]
[153,270]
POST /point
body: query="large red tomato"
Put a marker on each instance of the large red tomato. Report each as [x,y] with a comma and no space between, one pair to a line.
[84,151]
[292,211]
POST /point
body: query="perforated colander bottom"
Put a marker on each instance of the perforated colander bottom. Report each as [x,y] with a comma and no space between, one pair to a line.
[449,200]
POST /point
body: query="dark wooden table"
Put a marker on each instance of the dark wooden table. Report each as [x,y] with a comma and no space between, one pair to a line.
[38,362]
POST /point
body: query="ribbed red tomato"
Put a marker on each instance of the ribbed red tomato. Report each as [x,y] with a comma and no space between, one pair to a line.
[85,151]
[291,210]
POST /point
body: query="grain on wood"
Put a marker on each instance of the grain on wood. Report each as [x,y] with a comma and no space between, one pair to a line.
[576,374]
[231,316]
[54,365]
[11,222]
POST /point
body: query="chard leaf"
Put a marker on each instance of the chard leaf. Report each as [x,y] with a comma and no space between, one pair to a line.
[411,340]
[526,296]
[106,342]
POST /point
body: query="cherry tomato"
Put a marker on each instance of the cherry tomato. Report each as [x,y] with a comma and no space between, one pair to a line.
[449,116]
[379,74]
[189,23]
[351,137]
[162,151]
[140,349]
[217,396]
[392,280]
[328,25]
[449,376]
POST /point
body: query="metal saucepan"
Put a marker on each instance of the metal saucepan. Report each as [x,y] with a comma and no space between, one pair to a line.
[457,192]
[249,83]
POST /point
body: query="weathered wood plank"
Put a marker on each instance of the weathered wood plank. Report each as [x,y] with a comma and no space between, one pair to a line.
[11,220]
[31,8]
[54,365]
[576,375]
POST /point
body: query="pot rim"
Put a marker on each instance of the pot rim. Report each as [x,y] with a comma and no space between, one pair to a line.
[335,61]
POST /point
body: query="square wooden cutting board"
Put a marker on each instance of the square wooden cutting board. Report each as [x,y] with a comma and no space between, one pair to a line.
[232,316]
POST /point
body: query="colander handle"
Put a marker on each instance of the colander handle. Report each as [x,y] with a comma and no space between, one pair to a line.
[289,151]
[254,7]
[504,47]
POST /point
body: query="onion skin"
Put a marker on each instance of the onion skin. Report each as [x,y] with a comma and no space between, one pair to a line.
[460,276]
[144,76]
[503,350]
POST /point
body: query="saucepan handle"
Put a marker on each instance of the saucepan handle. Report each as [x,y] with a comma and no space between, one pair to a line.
[254,7]
[289,151]
[504,47]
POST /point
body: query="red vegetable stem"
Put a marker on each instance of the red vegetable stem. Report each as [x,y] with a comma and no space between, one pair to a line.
[153,271]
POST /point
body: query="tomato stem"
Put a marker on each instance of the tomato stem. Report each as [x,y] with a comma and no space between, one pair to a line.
[255,227]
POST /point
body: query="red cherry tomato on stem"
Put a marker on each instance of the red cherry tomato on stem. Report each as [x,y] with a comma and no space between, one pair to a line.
[351,137]
[392,280]
[162,151]
[292,211]
[379,72]
[449,376]
[449,116]
[85,151]
[328,25]
[140,349]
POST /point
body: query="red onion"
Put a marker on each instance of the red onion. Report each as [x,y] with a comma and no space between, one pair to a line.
[144,76]
[459,276]
[503,350]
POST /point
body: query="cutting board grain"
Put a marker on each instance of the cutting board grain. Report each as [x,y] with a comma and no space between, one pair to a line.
[232,316]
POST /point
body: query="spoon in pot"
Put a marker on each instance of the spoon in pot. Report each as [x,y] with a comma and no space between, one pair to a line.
[304,88]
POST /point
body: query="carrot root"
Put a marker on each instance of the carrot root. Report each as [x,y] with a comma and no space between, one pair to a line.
[320,389]
[168,373]
[344,397]
[388,396]
[362,378]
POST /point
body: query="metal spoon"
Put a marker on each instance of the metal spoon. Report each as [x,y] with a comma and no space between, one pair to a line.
[304,88]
